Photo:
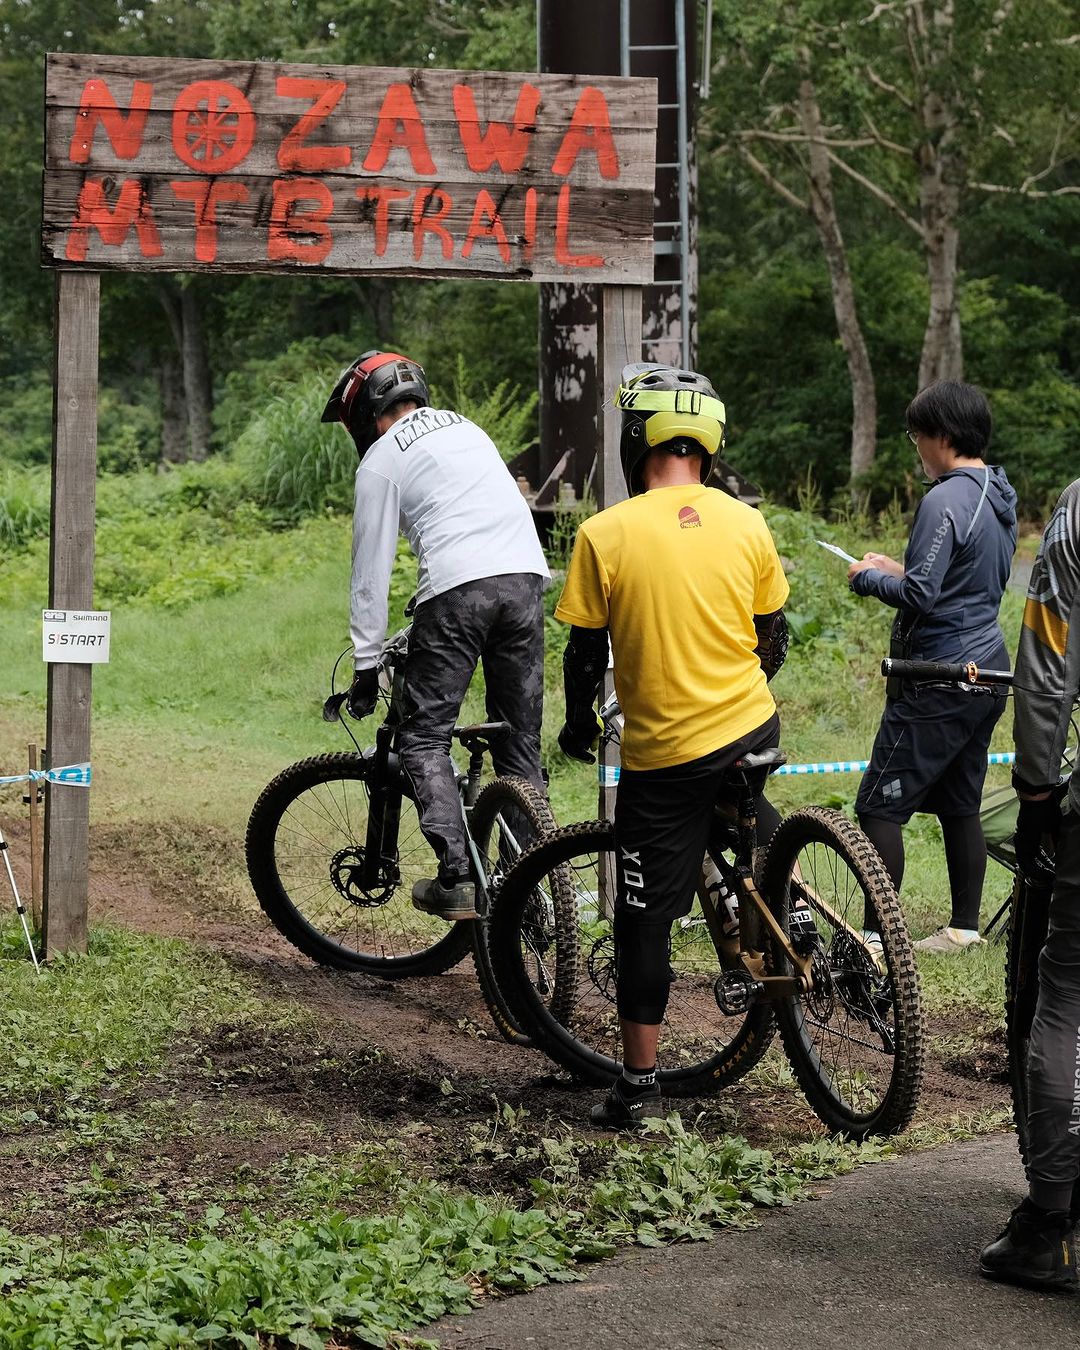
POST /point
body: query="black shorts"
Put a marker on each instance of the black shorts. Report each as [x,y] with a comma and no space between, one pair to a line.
[662,820]
[930,755]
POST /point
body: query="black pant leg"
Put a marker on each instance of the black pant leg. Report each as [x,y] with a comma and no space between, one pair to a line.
[513,660]
[444,647]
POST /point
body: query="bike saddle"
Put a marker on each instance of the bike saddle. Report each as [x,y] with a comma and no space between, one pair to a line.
[767,759]
[482,734]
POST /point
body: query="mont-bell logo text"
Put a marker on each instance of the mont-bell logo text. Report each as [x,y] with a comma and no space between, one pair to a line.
[689,519]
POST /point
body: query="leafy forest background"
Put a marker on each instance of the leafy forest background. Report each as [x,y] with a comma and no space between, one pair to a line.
[888,192]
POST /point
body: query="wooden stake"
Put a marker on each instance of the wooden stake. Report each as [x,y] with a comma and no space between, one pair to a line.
[71,586]
[35,839]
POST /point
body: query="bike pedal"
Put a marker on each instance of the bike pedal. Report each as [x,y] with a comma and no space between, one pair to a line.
[735,991]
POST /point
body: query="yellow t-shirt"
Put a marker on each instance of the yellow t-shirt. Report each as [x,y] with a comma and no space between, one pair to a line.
[677,575]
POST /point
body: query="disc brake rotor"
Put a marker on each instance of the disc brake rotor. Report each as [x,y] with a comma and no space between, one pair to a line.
[346,867]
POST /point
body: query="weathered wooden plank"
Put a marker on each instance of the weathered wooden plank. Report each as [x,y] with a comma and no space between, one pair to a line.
[244,130]
[442,142]
[390,226]
[618,342]
[71,586]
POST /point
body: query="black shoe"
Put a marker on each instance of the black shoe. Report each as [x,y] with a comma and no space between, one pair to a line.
[617,1112]
[1035,1249]
[452,898]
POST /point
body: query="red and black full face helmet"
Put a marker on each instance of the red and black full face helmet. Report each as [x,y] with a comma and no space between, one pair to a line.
[369,387]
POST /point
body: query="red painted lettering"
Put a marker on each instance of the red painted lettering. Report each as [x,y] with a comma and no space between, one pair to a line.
[499,144]
[292,152]
[422,223]
[124,130]
[213,126]
[288,225]
[399,126]
[485,207]
[112,223]
[204,194]
[382,196]
[589,129]
[563,256]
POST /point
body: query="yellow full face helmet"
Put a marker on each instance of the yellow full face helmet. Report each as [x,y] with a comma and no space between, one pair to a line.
[665,408]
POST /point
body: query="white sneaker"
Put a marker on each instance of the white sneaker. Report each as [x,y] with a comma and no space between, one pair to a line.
[950,940]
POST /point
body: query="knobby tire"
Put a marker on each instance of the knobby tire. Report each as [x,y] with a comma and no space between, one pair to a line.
[1029,923]
[570,847]
[552,912]
[864,997]
[330,791]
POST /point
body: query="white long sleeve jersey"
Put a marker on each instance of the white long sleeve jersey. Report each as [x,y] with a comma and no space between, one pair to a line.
[440,480]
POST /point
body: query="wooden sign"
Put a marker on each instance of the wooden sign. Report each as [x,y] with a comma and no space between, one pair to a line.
[229,166]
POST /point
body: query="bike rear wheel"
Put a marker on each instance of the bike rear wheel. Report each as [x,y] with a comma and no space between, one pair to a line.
[855,1040]
[305,841]
[510,816]
[702,1050]
[1029,923]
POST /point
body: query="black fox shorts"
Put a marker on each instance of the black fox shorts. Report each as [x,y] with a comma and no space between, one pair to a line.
[662,822]
[930,754]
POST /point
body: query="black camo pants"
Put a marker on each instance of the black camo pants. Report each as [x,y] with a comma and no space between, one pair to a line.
[1054,1051]
[496,621]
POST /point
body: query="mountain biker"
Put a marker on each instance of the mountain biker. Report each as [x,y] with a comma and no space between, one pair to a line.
[686,582]
[930,750]
[481,578]
[1038,1244]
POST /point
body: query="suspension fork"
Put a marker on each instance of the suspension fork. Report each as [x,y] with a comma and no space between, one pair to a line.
[384,800]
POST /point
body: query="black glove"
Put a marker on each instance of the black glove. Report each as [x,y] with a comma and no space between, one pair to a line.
[578,736]
[363,693]
[1037,826]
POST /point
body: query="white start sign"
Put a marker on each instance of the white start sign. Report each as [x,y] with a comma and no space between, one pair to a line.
[79,636]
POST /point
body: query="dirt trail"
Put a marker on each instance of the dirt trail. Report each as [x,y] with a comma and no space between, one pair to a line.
[439,1028]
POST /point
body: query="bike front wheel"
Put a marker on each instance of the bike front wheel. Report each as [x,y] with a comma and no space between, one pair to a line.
[1029,923]
[509,817]
[854,1040]
[702,1049]
[306,840]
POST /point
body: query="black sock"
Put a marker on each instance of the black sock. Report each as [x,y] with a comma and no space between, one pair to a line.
[635,1082]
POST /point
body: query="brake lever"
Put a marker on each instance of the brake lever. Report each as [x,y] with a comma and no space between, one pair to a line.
[331,709]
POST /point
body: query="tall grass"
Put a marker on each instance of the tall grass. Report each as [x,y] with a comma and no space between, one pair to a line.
[24,506]
[294,464]
[503,412]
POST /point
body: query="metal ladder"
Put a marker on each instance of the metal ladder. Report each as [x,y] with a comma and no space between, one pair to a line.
[679,243]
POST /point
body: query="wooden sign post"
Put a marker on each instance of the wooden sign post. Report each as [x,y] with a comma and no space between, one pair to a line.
[242,166]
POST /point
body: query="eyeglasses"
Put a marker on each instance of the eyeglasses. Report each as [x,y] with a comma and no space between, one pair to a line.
[913,437]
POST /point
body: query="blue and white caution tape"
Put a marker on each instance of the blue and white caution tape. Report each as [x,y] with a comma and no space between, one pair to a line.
[72,775]
[833,766]
[609,773]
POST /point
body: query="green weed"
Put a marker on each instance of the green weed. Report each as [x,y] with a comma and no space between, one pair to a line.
[77,1033]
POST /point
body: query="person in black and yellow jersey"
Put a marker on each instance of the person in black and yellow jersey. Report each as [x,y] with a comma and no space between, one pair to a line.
[686,582]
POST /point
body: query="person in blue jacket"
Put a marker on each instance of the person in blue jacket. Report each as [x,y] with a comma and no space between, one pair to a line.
[930,750]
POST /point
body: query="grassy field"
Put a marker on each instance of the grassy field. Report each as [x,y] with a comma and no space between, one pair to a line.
[206,1148]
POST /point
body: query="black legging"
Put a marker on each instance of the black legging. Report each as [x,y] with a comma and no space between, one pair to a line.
[965,857]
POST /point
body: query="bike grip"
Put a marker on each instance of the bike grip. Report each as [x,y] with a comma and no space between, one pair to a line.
[898,669]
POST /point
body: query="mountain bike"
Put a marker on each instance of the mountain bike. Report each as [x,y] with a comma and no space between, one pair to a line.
[334,846]
[1028,905]
[793,956]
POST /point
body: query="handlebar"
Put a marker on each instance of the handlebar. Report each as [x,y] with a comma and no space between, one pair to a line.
[941,672]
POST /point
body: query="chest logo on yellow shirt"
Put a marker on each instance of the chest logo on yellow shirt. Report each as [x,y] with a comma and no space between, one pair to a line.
[689,519]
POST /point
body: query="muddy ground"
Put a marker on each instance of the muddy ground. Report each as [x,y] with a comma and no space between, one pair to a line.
[409,1076]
